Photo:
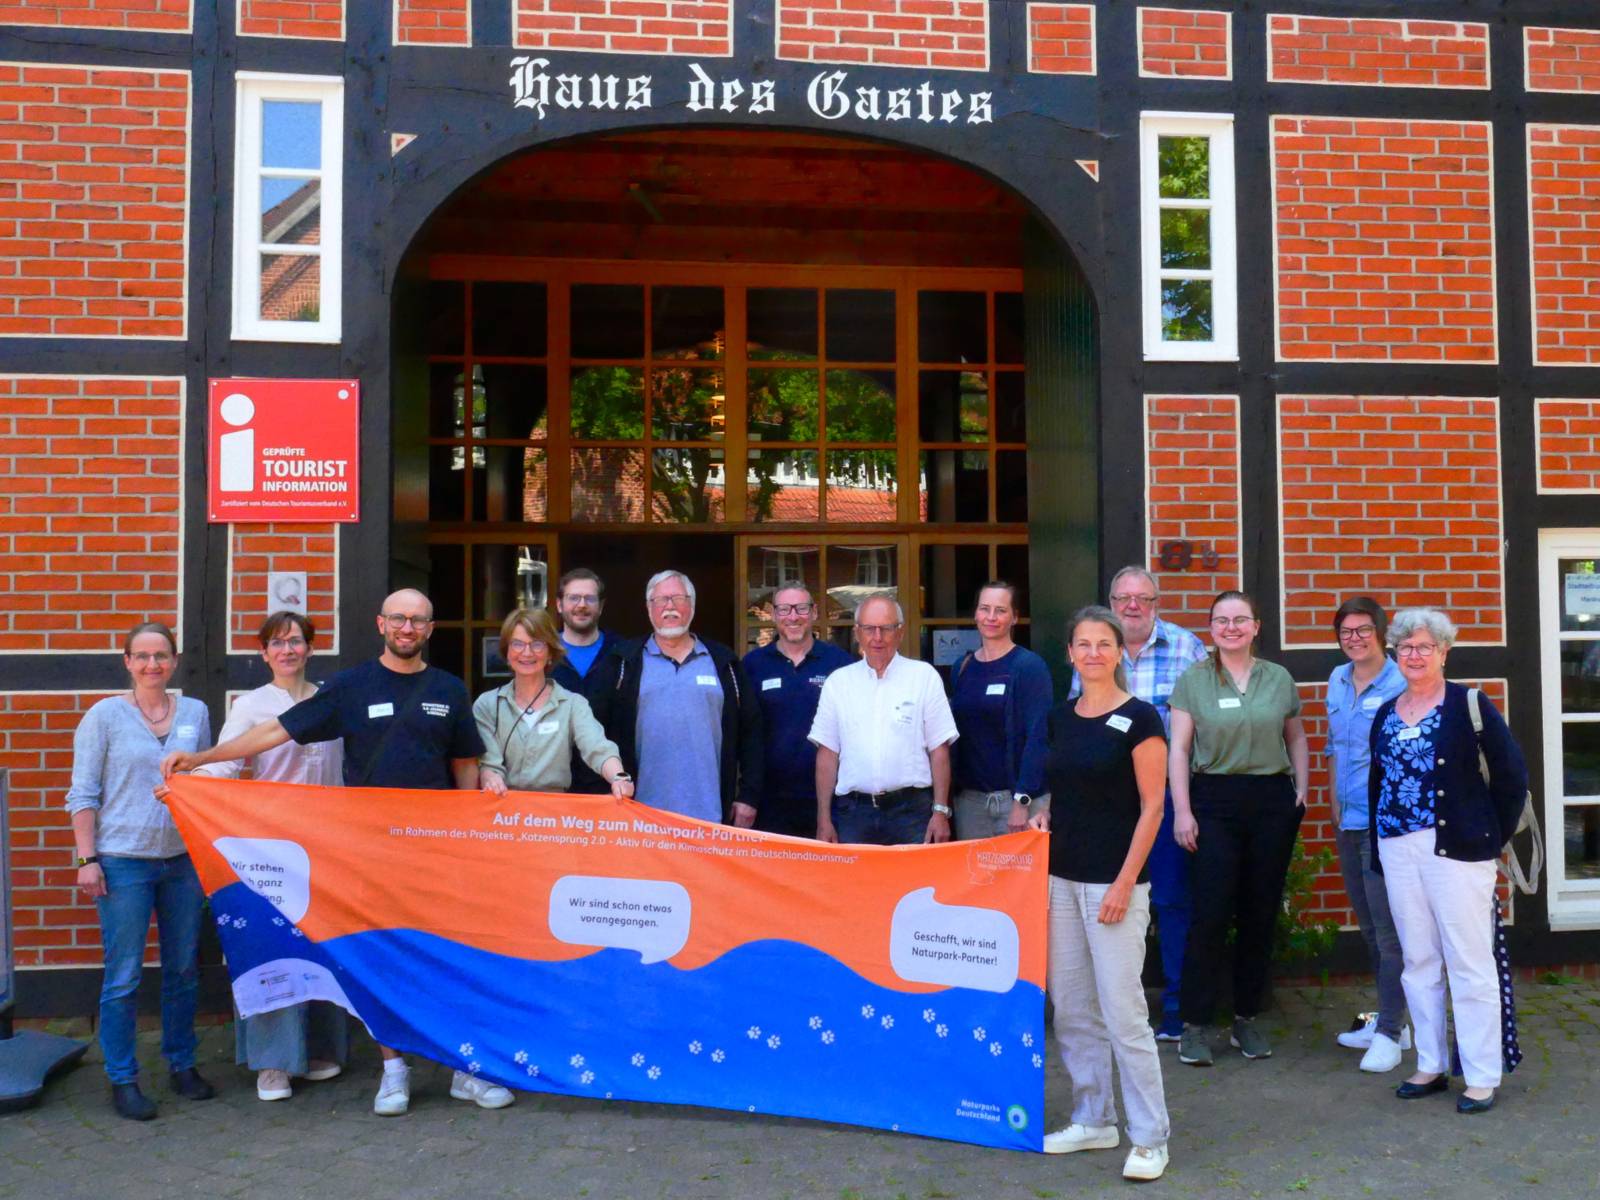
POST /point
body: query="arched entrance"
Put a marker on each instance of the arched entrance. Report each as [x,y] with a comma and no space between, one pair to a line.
[751,356]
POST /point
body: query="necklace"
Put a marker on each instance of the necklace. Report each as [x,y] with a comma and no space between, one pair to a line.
[149,720]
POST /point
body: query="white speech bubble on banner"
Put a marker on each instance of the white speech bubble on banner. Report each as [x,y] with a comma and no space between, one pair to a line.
[647,915]
[955,945]
[274,869]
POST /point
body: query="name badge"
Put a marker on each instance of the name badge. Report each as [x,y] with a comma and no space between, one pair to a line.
[903,713]
[379,710]
[706,680]
[1372,704]
[184,731]
[1410,734]
[1118,722]
[1228,702]
[546,727]
[771,685]
[996,689]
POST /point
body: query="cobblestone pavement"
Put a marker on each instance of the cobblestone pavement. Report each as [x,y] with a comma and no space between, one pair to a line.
[1303,1123]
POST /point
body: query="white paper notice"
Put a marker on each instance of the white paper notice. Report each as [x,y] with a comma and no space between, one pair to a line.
[647,915]
[952,944]
[1582,595]
[284,982]
[276,870]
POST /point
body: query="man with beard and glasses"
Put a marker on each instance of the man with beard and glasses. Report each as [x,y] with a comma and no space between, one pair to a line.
[405,725]
[580,599]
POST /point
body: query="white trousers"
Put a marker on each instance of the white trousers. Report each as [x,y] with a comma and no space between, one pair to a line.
[1442,912]
[1101,1013]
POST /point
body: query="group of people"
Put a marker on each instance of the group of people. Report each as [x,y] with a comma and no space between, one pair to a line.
[1172,780]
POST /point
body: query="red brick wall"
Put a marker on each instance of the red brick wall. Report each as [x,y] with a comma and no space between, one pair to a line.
[1562,60]
[1061,39]
[1564,191]
[952,34]
[626,26]
[1385,240]
[167,16]
[292,19]
[90,510]
[1192,494]
[53,925]
[94,187]
[255,550]
[1322,822]
[432,22]
[1185,43]
[1380,53]
[1568,434]
[1395,497]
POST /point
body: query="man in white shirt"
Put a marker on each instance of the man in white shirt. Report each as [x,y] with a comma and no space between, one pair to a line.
[883,731]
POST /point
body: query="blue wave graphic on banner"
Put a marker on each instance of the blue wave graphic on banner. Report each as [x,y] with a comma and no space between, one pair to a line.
[771,1027]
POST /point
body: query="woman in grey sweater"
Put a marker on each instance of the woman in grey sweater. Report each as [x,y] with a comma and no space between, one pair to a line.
[132,862]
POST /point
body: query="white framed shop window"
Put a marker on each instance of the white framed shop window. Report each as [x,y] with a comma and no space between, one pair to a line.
[287,207]
[1569,671]
[1187,236]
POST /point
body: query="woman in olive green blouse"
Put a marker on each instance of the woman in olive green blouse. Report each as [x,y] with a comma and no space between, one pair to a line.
[532,724]
[1238,766]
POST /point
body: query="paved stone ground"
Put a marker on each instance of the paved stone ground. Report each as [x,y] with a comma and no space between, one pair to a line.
[1303,1123]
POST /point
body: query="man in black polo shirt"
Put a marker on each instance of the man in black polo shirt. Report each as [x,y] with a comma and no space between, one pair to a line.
[405,725]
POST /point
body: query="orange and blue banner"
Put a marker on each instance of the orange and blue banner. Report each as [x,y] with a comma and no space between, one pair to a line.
[590,947]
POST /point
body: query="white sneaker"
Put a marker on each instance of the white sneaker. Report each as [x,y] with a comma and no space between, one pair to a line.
[1145,1163]
[1359,1036]
[317,1071]
[1081,1137]
[394,1093]
[480,1091]
[273,1085]
[1383,1055]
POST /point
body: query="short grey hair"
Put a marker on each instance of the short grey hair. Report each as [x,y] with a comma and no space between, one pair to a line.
[1132,569]
[1413,620]
[661,577]
[899,613]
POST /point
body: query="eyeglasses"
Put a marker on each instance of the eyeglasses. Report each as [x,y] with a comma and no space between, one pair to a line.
[145,657]
[1141,599]
[793,610]
[401,620]
[518,646]
[873,631]
[290,643]
[576,598]
[678,601]
[1359,633]
[1232,622]
[1416,650]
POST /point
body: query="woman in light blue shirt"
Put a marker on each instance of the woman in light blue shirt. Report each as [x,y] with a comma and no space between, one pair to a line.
[132,863]
[1356,690]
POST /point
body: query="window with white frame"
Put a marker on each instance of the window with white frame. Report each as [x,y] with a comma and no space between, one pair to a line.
[1187,231]
[875,566]
[1569,596]
[288,158]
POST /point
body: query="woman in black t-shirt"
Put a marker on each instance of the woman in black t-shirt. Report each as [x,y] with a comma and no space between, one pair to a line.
[1107,772]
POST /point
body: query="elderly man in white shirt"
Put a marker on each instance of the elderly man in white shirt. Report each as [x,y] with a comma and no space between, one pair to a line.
[883,731]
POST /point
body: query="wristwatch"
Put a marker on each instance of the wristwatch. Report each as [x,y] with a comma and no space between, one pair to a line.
[944,810]
[1022,798]
[84,861]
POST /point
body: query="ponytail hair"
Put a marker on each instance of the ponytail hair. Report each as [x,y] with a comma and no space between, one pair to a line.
[1099,614]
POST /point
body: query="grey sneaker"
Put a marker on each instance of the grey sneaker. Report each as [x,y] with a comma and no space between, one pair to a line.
[1194,1047]
[1248,1040]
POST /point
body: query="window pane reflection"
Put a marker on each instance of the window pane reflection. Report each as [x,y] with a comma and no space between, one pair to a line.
[514,400]
[861,486]
[1009,331]
[860,406]
[447,471]
[1010,407]
[954,485]
[781,323]
[860,325]
[769,566]
[687,405]
[291,134]
[1580,677]
[607,485]
[783,405]
[1580,759]
[951,577]
[952,327]
[291,287]
[1011,486]
[608,403]
[1581,831]
[953,406]
[686,322]
[607,320]
[291,211]
[783,486]
[508,319]
[686,486]
[512,484]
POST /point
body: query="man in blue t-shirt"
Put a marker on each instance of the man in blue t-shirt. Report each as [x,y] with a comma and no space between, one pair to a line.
[580,599]
[788,674]
[405,725]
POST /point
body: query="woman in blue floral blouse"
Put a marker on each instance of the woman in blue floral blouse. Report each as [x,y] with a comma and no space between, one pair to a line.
[1437,827]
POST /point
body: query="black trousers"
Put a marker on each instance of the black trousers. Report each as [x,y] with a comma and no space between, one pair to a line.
[1248,825]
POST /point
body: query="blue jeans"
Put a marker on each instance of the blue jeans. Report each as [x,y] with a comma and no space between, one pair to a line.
[901,823]
[134,888]
[1169,897]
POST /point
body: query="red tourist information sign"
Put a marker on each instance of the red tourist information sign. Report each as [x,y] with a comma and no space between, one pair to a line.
[283,450]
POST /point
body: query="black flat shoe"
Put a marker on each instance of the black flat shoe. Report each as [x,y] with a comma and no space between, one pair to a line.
[131,1103]
[1415,1091]
[188,1084]
[1466,1104]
